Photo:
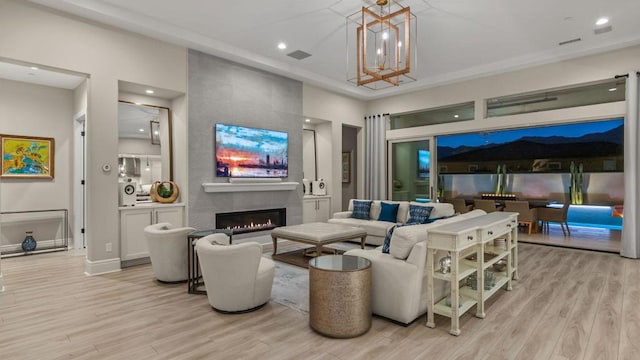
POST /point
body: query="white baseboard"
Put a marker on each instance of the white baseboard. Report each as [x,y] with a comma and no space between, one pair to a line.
[101,266]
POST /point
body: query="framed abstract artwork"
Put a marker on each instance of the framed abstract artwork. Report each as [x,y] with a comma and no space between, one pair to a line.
[27,156]
[346,167]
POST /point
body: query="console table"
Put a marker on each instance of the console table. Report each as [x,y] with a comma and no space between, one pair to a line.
[473,239]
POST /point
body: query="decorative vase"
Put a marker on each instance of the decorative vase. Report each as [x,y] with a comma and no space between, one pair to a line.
[29,243]
[164,191]
[445,264]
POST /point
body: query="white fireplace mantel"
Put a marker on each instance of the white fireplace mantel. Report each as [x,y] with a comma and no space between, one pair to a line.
[249,186]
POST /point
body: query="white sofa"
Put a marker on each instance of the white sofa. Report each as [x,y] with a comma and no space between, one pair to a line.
[399,282]
[377,230]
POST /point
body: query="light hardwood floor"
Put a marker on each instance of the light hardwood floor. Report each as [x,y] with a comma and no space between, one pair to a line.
[568,304]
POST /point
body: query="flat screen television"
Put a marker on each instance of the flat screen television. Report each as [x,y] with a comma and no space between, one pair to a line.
[251,152]
[423,164]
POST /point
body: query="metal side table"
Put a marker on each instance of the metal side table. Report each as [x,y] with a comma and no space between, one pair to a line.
[195,284]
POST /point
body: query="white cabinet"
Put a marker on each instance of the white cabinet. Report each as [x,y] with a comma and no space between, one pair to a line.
[474,251]
[133,220]
[316,208]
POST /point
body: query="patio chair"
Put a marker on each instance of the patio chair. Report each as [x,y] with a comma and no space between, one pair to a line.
[526,215]
[558,215]
[460,206]
[486,205]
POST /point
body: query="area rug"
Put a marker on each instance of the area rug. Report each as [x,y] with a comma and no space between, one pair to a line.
[291,282]
[291,287]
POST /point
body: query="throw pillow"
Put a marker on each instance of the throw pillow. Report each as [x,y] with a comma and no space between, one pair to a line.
[419,214]
[361,209]
[440,218]
[388,212]
[387,240]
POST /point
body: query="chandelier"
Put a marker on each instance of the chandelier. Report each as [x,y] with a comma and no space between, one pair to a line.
[381,43]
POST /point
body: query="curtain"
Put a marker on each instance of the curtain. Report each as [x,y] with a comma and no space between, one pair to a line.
[630,236]
[375,160]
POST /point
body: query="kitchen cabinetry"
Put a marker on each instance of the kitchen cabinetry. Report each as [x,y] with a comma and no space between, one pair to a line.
[316,208]
[133,220]
[474,245]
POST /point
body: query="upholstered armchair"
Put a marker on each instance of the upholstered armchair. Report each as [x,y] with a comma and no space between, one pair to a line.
[238,279]
[168,251]
[558,215]
[526,215]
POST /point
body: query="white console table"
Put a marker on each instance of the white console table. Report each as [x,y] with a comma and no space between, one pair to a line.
[464,239]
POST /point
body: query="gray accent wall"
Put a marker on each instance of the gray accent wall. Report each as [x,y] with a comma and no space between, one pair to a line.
[221,91]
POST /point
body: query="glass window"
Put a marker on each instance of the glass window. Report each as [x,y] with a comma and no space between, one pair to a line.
[410,171]
[598,145]
[602,92]
[446,114]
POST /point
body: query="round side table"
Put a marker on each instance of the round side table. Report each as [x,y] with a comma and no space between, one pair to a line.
[340,295]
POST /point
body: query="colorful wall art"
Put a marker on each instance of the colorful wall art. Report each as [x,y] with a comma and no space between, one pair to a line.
[27,156]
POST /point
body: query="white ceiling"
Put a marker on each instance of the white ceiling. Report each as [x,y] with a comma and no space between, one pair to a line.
[457,39]
[39,75]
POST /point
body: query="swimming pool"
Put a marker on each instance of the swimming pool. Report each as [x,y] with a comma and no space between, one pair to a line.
[592,216]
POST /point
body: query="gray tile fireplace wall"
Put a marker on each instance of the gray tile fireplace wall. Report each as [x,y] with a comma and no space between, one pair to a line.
[221,91]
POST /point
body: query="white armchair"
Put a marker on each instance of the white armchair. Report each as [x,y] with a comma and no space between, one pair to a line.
[168,251]
[238,279]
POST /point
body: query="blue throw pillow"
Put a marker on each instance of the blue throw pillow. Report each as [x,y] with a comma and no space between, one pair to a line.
[361,209]
[388,212]
[419,214]
[387,240]
[440,218]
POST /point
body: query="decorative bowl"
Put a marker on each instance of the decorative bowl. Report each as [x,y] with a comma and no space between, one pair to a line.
[500,265]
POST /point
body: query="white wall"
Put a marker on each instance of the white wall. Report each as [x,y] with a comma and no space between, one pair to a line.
[562,74]
[35,110]
[339,110]
[32,34]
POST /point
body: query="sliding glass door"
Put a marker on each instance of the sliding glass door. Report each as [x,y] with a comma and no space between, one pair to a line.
[410,176]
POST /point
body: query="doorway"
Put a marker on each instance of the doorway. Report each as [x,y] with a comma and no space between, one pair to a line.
[349,164]
[79,194]
[410,163]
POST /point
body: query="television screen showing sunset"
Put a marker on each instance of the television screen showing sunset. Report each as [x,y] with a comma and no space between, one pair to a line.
[250,152]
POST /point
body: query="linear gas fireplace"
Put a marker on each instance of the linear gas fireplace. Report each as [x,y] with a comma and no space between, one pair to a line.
[242,222]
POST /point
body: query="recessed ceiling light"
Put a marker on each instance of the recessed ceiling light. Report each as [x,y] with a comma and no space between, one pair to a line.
[34,68]
[602,21]
[282,46]
[307,120]
[456,116]
[149,91]
[141,130]
[613,89]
